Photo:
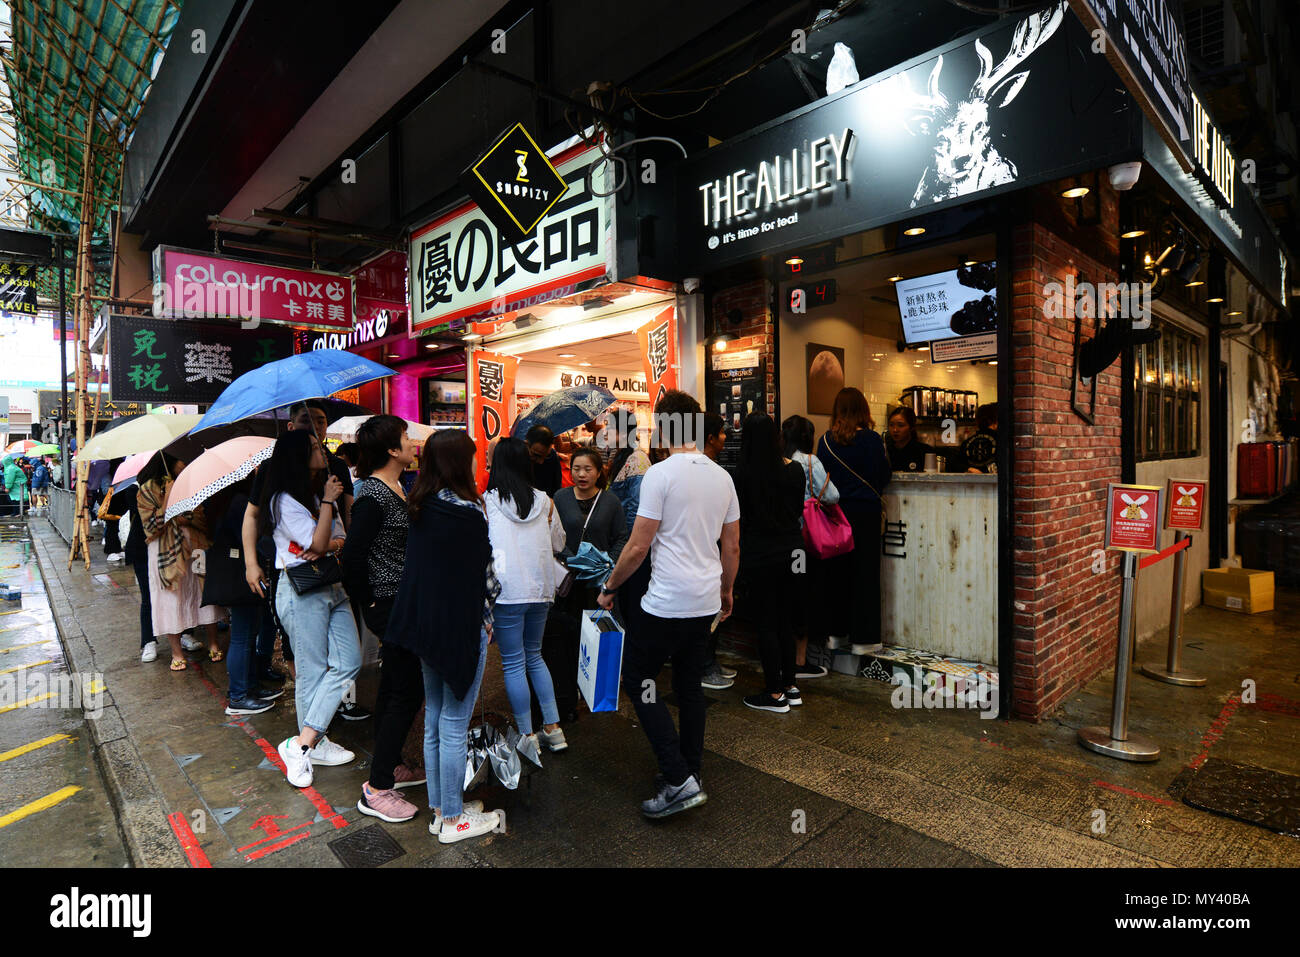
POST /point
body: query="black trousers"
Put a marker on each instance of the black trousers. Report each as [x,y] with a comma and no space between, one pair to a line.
[774,600]
[853,583]
[401,692]
[682,641]
[560,653]
[141,566]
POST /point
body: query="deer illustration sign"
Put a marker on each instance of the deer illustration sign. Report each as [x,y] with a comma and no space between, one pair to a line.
[1185,504]
[1133,518]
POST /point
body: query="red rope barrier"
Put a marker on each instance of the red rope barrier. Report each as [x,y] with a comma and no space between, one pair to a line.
[1161,556]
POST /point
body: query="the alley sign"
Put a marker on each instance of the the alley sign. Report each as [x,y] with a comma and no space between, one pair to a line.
[464,269]
[153,360]
[1133,518]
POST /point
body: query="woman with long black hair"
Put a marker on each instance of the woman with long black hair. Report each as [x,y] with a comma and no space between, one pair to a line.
[770,489]
[798,435]
[298,510]
[443,614]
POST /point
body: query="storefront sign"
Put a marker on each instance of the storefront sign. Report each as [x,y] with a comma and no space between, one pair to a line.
[514,183]
[158,360]
[1133,518]
[377,323]
[383,281]
[967,347]
[464,269]
[49,404]
[1185,504]
[491,379]
[658,342]
[732,359]
[974,117]
[959,302]
[194,285]
[535,379]
[17,288]
[1147,49]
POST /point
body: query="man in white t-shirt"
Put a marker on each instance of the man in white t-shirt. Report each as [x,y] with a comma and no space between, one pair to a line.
[688,504]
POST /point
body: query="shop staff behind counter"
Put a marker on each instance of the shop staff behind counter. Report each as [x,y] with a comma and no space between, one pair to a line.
[906,452]
[979,453]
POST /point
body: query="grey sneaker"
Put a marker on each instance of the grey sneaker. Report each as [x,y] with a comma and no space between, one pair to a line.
[715,679]
[727,672]
[671,800]
[553,740]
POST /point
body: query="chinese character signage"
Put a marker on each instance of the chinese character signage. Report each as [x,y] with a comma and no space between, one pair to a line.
[194,285]
[514,183]
[1133,518]
[491,379]
[157,360]
[658,342]
[959,302]
[1185,504]
[18,288]
[464,269]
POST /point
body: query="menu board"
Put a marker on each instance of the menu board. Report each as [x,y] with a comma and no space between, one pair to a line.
[734,391]
[944,305]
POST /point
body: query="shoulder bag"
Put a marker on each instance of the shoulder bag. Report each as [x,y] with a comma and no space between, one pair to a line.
[566,584]
[883,517]
[312,575]
[826,531]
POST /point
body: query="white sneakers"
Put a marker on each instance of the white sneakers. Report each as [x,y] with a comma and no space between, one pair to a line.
[149,652]
[297,765]
[328,753]
[190,644]
[469,824]
[117,557]
[436,824]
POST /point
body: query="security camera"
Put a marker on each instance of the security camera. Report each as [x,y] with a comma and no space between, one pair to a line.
[1124,176]
[691,284]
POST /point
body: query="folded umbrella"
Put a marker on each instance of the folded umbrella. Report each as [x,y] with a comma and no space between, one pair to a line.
[311,375]
[217,468]
[565,409]
[590,563]
[504,757]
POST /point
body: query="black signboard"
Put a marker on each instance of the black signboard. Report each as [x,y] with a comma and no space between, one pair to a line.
[514,183]
[1145,44]
[160,360]
[1024,102]
[734,393]
[17,288]
[49,404]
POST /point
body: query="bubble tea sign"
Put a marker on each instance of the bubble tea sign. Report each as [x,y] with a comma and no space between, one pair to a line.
[1133,518]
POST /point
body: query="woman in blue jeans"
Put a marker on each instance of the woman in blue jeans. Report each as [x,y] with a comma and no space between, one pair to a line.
[526,533]
[299,510]
[443,614]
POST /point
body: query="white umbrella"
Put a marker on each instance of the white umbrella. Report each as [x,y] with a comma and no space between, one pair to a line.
[345,429]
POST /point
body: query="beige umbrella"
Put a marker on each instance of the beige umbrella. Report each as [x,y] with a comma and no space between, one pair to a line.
[345,429]
[144,434]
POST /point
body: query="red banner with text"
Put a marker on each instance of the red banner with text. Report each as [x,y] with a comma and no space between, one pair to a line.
[658,343]
[492,388]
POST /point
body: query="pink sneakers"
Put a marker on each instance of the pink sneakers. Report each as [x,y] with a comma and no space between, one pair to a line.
[408,777]
[386,805]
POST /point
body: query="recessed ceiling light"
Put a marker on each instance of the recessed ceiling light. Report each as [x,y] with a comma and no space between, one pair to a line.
[471,336]
[1214,299]
[993,362]
[970,262]
[584,363]
[1133,234]
[1235,312]
[914,231]
[1074,192]
[895,278]
[794,261]
[924,348]
[1196,282]
[394,355]
[568,355]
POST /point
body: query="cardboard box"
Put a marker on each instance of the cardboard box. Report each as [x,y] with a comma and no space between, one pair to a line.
[1246,590]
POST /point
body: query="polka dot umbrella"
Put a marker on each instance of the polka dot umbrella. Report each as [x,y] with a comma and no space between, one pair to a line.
[219,467]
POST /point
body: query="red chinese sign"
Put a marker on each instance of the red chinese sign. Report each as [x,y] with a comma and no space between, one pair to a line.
[1185,504]
[491,379]
[658,342]
[193,285]
[1133,518]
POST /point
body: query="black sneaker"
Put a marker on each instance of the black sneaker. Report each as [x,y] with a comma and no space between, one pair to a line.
[353,712]
[765,702]
[269,692]
[269,676]
[793,696]
[810,671]
[248,705]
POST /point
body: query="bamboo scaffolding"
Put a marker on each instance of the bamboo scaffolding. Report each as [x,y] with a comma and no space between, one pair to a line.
[85,268]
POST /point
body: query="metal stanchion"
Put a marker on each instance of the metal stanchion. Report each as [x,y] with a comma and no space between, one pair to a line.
[1115,741]
[1173,672]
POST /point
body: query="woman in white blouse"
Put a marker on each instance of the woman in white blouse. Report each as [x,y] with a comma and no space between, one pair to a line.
[798,434]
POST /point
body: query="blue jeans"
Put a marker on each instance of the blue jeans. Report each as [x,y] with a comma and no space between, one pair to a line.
[518,630]
[446,724]
[326,647]
[251,631]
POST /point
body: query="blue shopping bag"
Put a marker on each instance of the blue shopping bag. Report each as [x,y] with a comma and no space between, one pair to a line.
[600,660]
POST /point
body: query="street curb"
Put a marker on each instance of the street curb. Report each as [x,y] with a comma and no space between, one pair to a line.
[137,804]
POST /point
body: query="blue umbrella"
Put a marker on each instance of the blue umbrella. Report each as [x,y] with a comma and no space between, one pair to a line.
[565,409]
[590,564]
[311,375]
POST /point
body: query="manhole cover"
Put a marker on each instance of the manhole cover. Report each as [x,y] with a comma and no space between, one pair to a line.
[1269,799]
[368,847]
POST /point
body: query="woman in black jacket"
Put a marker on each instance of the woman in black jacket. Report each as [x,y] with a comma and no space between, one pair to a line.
[443,614]
[590,512]
[770,489]
[137,554]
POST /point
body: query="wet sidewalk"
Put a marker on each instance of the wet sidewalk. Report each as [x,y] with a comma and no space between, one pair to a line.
[846,780]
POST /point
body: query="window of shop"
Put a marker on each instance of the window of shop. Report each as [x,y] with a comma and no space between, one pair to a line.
[1167,395]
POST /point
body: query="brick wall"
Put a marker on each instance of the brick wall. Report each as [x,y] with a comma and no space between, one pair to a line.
[1065,616]
[755,329]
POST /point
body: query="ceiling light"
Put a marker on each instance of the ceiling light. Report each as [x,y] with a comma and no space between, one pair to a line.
[1196,282]
[970,262]
[914,231]
[1214,299]
[720,345]
[1133,234]
[895,278]
[394,355]
[471,337]
[568,355]
[432,345]
[1075,192]
[584,363]
[993,362]
[924,348]
[1235,312]
[794,261]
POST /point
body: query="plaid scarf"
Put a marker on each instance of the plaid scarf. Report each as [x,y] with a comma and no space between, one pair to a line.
[493,584]
[151,503]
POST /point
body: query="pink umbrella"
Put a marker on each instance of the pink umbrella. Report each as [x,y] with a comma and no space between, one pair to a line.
[132,466]
[219,467]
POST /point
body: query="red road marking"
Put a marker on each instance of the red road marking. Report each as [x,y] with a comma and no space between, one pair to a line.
[1276,704]
[275,847]
[1120,789]
[1215,731]
[189,843]
[272,830]
[1161,556]
[311,794]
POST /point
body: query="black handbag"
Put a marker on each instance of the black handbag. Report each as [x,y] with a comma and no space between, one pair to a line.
[566,584]
[312,575]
